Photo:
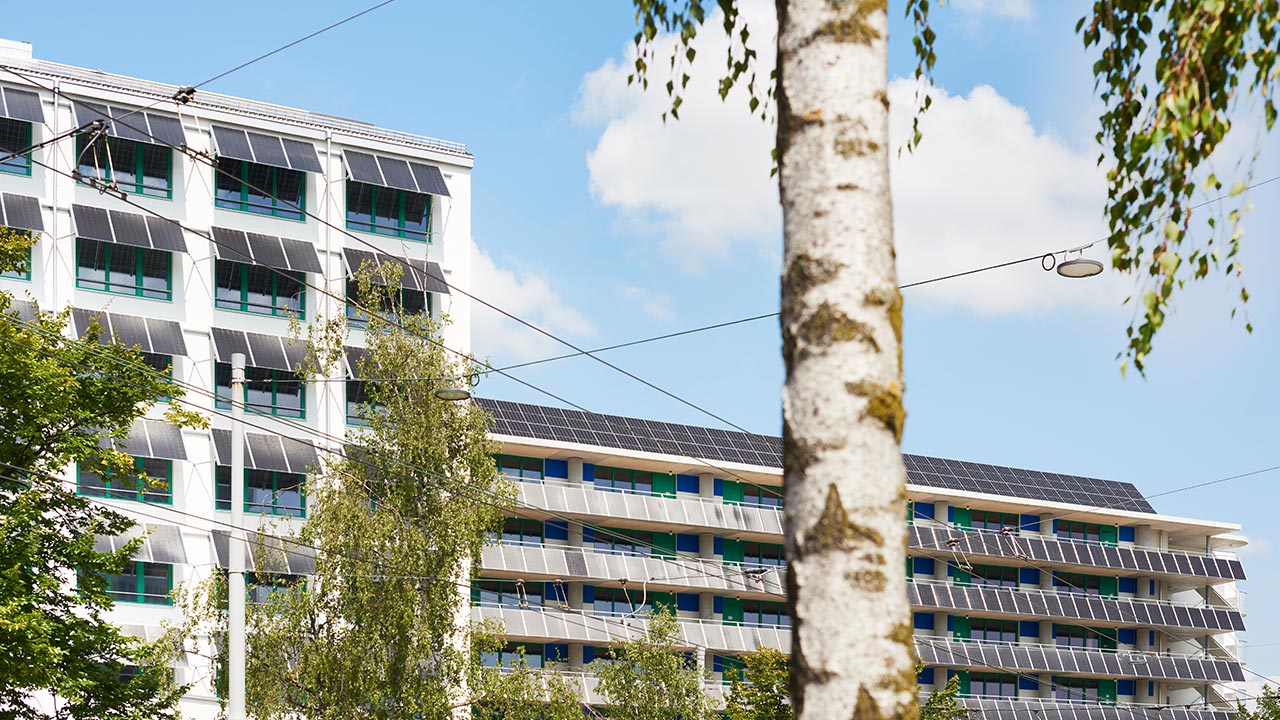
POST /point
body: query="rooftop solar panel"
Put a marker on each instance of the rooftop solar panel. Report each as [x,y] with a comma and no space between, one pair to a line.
[717,445]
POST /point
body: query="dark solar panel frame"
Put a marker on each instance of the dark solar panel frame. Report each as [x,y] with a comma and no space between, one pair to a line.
[419,275]
[152,335]
[125,228]
[152,439]
[22,105]
[267,250]
[266,149]
[21,212]
[268,452]
[130,124]
[395,173]
[265,351]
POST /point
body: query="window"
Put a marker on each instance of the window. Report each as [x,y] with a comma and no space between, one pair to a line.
[412,302]
[519,531]
[265,491]
[616,601]
[136,167]
[15,135]
[358,406]
[1077,689]
[763,555]
[142,582]
[260,588]
[993,630]
[162,364]
[1077,584]
[520,468]
[506,592]
[156,487]
[24,272]
[761,613]
[124,269]
[1076,637]
[992,520]
[275,392]
[994,575]
[762,496]
[261,189]
[388,211]
[511,654]
[983,684]
[607,478]
[261,290]
[1078,530]
[635,542]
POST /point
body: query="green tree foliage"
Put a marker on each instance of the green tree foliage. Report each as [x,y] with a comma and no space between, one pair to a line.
[519,691]
[761,690]
[1266,706]
[398,524]
[58,398]
[944,704]
[650,678]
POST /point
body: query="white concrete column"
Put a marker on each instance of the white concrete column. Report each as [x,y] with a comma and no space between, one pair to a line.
[1046,524]
[706,485]
[575,657]
[1046,686]
[574,592]
[575,469]
[940,510]
[1144,588]
[1144,640]
[706,606]
[1046,632]
[940,625]
[1142,536]
[939,678]
[706,545]
[575,533]
[1046,580]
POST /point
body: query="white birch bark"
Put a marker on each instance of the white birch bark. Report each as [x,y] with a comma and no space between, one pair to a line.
[842,403]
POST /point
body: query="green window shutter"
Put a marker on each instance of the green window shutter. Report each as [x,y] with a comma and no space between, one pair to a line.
[911,567]
[664,484]
[911,511]
[1109,534]
[963,577]
[731,610]
[733,492]
[666,601]
[1107,692]
[665,542]
[1109,586]
[964,681]
[733,551]
[961,629]
[963,517]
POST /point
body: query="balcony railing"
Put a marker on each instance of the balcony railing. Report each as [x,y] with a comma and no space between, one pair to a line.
[1057,659]
[1038,603]
[1054,709]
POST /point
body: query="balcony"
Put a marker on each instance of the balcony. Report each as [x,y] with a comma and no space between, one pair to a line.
[1058,660]
[1049,605]
[1040,709]
[584,684]
[547,625]
[582,564]
[686,513]
[935,537]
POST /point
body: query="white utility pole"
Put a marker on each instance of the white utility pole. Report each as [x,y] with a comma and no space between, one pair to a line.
[236,549]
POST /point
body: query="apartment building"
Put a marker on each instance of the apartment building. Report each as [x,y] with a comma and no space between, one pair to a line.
[274,209]
[1044,593]
[1041,592]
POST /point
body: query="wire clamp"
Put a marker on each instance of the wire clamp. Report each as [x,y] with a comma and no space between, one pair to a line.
[184,95]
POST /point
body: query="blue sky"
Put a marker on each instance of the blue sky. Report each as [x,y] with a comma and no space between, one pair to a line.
[599,224]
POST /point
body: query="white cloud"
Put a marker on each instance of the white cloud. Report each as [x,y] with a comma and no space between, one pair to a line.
[527,294]
[702,180]
[1015,9]
[657,305]
[986,186]
[1257,546]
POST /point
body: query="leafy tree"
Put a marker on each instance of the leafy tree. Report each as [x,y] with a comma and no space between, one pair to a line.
[760,691]
[398,523]
[519,691]
[649,678]
[944,704]
[59,657]
[1266,706]
[1170,75]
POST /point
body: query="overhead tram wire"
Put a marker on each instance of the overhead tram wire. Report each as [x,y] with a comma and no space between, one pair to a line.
[697,565]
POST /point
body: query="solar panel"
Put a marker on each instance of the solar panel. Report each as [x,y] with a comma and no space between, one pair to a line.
[167,130]
[92,223]
[131,124]
[267,251]
[232,245]
[430,179]
[129,229]
[228,342]
[301,155]
[130,331]
[266,351]
[266,149]
[165,235]
[23,105]
[22,212]
[363,167]
[267,453]
[166,440]
[232,143]
[396,174]
[301,256]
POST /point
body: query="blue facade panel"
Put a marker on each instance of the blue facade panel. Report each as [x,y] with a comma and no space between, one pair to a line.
[717,546]
[719,483]
[924,510]
[925,676]
[588,472]
[1126,687]
[1029,628]
[717,605]
[1029,576]
[924,565]
[687,543]
[588,594]
[556,652]
[687,602]
[687,484]
[1128,585]
[556,468]
[923,621]
[1128,636]
[1030,522]
[1026,683]
[1127,533]
[588,654]
[556,529]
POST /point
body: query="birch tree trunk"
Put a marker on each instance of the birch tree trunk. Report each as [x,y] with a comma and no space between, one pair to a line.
[851,648]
